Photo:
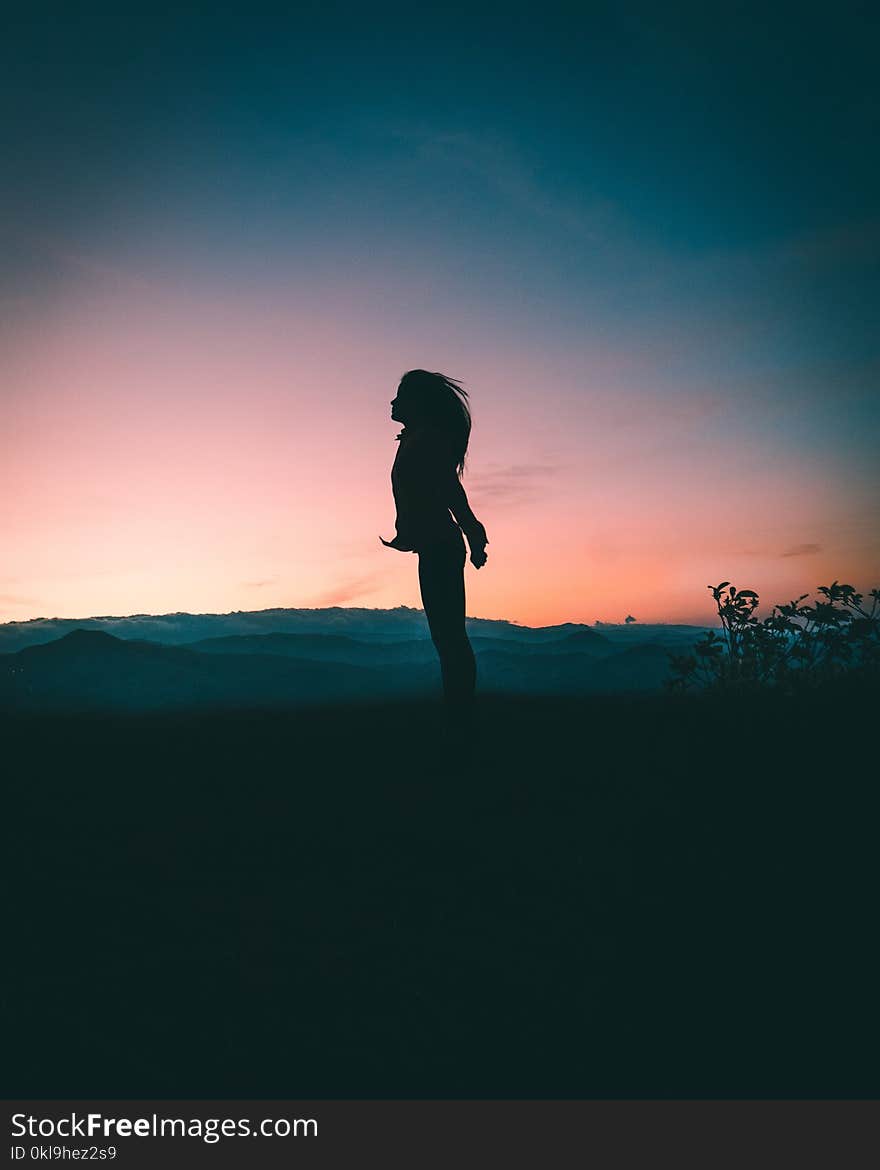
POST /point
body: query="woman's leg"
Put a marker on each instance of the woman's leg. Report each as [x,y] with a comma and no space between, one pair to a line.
[441,579]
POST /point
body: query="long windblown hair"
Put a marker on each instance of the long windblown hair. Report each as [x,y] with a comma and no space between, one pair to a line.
[442,404]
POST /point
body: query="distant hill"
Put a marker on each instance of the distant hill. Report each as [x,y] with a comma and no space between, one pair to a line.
[660,633]
[320,647]
[338,648]
[370,625]
[92,669]
[641,668]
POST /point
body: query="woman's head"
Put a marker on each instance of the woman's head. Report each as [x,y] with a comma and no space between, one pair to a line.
[432,400]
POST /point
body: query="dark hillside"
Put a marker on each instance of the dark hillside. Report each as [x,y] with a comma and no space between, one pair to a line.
[608,896]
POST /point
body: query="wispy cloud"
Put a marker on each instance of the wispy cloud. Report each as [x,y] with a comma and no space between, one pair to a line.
[802,550]
[846,244]
[499,163]
[348,590]
[94,266]
[259,584]
[511,484]
[17,599]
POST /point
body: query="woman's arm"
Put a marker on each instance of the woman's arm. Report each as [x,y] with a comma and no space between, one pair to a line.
[457,502]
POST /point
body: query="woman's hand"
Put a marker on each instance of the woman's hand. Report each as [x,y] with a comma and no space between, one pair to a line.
[478,544]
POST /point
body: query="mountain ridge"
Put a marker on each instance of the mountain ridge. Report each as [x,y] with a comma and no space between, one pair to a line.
[93,669]
[376,625]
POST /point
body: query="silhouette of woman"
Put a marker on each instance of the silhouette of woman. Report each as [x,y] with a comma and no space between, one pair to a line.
[426,483]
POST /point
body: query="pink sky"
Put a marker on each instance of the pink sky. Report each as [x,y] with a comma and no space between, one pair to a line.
[171,448]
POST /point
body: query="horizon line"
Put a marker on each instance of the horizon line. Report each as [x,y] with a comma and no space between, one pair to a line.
[329,608]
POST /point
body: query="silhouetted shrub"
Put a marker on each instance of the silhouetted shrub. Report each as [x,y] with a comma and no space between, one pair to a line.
[797,646]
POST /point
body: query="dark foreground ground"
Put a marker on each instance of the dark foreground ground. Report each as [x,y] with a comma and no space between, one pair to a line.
[648,896]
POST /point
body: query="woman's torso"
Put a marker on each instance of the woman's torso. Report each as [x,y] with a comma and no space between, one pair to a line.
[419,476]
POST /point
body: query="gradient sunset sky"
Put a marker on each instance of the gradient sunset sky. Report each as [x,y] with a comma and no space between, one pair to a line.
[646,237]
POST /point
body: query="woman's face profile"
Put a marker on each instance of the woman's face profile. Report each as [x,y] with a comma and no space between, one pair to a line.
[399,405]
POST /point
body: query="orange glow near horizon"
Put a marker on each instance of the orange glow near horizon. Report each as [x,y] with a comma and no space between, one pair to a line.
[164,453]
